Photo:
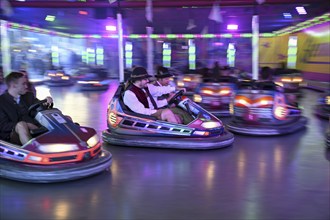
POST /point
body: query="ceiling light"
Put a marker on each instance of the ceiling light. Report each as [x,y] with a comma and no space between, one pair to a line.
[50,18]
[232,27]
[301,10]
[287,15]
[110,28]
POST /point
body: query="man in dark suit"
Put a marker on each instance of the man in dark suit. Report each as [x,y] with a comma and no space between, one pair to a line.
[15,123]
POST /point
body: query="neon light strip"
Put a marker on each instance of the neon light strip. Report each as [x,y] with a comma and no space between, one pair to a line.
[303,25]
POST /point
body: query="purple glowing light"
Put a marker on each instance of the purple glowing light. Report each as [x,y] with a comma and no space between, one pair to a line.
[218,44]
[232,27]
[287,15]
[301,10]
[110,28]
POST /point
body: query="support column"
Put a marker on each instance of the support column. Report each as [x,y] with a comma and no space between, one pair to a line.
[150,46]
[120,47]
[5,48]
[255,47]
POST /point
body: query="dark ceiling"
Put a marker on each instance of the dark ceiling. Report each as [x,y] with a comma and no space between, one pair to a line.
[169,16]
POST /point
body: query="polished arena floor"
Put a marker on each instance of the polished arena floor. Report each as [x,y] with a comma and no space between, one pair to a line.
[265,178]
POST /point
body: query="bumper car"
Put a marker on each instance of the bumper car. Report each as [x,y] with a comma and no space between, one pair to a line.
[92,82]
[131,129]
[58,78]
[259,108]
[190,82]
[59,151]
[215,97]
[322,109]
[290,80]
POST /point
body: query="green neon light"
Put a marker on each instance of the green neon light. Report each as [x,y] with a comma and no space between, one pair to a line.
[192,50]
[78,36]
[208,36]
[292,59]
[128,54]
[246,35]
[166,58]
[100,57]
[99,51]
[55,61]
[192,66]
[227,35]
[171,36]
[134,36]
[303,25]
[189,35]
[192,58]
[54,54]
[166,52]
[50,18]
[292,51]
[267,35]
[129,62]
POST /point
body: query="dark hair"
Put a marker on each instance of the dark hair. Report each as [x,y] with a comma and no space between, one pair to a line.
[13,77]
[266,73]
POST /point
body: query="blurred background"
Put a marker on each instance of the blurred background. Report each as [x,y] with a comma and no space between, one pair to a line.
[187,35]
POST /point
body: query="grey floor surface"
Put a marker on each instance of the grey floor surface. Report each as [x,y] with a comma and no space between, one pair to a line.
[281,178]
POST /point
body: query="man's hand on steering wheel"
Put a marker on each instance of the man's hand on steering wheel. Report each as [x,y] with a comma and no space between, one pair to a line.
[175,97]
[49,100]
[41,105]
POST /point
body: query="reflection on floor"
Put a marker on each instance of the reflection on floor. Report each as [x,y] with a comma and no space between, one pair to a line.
[282,177]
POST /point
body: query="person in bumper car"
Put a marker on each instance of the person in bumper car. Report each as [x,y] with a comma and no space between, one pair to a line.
[163,80]
[137,97]
[15,122]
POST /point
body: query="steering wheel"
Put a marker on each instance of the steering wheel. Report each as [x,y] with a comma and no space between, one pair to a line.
[39,106]
[175,97]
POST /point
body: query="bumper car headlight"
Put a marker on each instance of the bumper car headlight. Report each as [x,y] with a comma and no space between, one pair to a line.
[197,98]
[201,133]
[211,124]
[297,80]
[35,158]
[231,108]
[327,100]
[57,148]
[180,84]
[88,82]
[65,77]
[279,84]
[280,113]
[93,141]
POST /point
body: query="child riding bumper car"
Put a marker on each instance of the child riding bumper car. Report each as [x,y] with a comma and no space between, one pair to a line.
[60,150]
[132,129]
[258,108]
